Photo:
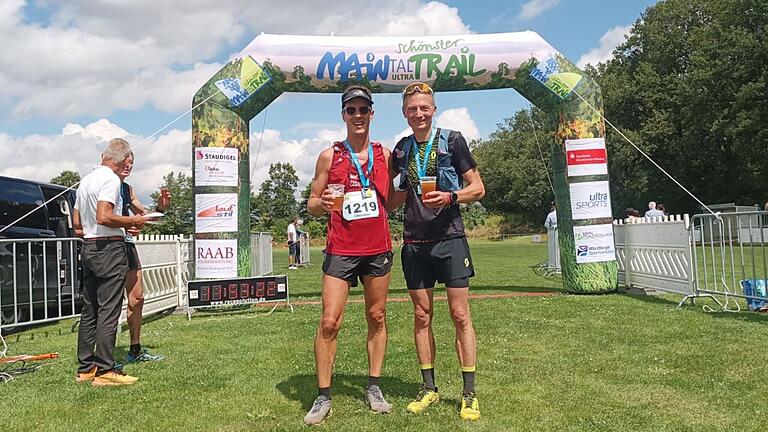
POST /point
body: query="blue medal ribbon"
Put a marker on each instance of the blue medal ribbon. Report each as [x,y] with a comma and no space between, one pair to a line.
[422,169]
[365,181]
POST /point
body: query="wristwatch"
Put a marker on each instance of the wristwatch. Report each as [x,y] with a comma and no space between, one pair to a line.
[454,198]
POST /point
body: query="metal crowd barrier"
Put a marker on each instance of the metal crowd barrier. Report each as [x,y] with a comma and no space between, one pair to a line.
[728,249]
[707,255]
[304,249]
[39,280]
[48,271]
[261,253]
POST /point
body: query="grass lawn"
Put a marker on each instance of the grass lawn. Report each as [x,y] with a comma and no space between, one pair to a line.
[560,363]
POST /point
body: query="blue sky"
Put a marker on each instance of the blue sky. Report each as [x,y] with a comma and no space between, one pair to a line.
[75,73]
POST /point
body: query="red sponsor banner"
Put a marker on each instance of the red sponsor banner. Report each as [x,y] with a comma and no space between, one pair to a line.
[586,156]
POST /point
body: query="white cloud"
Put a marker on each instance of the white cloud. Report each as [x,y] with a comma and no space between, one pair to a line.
[434,18]
[534,8]
[78,148]
[102,129]
[302,154]
[459,119]
[98,56]
[608,42]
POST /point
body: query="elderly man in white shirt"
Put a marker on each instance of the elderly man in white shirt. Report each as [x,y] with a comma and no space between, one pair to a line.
[652,211]
[98,218]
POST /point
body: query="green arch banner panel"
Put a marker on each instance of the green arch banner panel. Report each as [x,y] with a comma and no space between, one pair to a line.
[273,64]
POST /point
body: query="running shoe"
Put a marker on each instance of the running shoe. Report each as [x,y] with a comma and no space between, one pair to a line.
[143,356]
[321,409]
[376,400]
[470,408]
[424,399]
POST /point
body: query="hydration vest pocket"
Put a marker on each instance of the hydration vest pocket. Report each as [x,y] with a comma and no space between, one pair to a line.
[447,178]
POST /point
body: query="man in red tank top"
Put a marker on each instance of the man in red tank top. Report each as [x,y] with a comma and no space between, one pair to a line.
[351,185]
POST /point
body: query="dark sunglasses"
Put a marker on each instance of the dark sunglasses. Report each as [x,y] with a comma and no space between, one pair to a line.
[350,110]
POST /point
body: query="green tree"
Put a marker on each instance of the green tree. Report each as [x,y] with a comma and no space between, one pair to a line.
[510,161]
[179,216]
[276,198]
[689,88]
[66,178]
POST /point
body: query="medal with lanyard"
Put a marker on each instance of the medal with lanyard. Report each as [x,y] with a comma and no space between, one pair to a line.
[421,166]
[365,204]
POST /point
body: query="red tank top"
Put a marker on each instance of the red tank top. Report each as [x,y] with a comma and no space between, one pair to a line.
[360,237]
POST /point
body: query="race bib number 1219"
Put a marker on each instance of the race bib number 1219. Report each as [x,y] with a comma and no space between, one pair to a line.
[357,206]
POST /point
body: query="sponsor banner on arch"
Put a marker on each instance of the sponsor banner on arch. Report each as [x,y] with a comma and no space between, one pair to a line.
[216,166]
[216,213]
[215,258]
[594,243]
[586,157]
[590,200]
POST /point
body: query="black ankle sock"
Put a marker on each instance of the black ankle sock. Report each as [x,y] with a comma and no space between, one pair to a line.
[469,382]
[135,348]
[324,391]
[428,375]
[373,381]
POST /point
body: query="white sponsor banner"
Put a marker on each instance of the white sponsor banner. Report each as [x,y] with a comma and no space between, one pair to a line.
[215,258]
[594,243]
[215,213]
[586,157]
[216,166]
[590,200]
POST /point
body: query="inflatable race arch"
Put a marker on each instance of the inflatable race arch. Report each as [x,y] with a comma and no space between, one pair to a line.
[273,64]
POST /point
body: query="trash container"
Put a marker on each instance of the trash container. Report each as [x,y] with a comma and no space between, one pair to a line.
[754,288]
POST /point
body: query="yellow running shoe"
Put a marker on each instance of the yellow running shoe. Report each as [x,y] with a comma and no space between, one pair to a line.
[425,398]
[470,408]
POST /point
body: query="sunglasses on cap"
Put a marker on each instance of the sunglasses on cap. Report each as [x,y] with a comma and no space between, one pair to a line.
[350,110]
[417,87]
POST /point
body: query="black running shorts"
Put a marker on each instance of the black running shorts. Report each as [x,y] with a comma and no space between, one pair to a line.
[133,256]
[443,261]
[350,268]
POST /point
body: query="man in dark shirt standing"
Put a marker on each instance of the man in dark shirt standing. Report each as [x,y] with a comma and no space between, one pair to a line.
[435,247]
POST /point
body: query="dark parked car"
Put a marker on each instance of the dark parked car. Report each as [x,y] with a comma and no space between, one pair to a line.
[45,268]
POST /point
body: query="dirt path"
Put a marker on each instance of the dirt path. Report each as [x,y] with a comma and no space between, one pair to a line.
[437,298]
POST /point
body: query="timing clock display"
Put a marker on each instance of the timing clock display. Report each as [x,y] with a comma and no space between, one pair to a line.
[234,291]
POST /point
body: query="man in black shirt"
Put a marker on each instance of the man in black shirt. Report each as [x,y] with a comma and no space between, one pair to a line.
[435,247]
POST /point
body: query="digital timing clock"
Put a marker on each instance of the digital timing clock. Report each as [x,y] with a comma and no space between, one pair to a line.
[222,292]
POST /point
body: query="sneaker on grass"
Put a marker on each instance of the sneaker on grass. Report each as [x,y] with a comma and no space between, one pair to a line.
[470,407]
[86,376]
[113,377]
[376,400]
[321,409]
[424,399]
[143,356]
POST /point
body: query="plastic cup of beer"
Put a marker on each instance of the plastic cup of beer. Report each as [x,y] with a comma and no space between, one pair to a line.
[338,195]
[428,184]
